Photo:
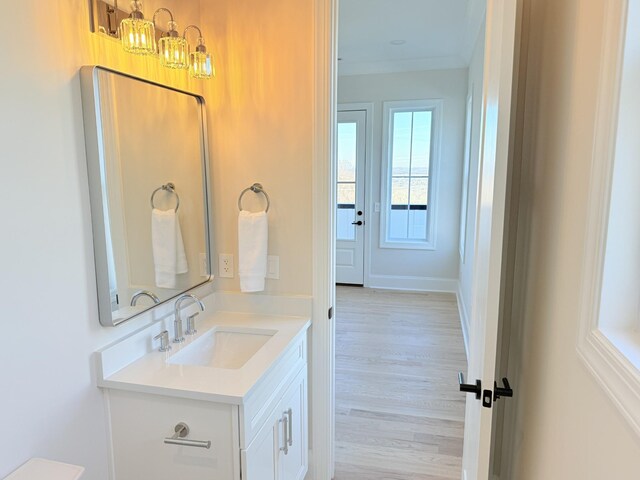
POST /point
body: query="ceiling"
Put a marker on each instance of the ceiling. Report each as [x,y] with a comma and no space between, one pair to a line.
[437,34]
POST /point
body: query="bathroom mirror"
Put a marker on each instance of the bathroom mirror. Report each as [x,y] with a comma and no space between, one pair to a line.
[148,183]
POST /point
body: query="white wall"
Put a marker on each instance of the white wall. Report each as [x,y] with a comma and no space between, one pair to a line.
[261,112]
[420,269]
[50,404]
[568,427]
[474,88]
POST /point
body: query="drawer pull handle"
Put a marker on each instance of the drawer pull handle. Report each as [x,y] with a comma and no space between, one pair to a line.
[290,425]
[285,428]
[182,430]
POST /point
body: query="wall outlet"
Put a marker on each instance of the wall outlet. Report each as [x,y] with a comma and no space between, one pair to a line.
[273,267]
[225,265]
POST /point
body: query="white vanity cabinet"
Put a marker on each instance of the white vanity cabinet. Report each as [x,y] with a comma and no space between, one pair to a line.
[262,437]
[279,450]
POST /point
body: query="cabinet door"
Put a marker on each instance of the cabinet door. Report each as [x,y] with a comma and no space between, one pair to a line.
[293,461]
[260,459]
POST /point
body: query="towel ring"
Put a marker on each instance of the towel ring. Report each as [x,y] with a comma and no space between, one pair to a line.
[169,187]
[255,188]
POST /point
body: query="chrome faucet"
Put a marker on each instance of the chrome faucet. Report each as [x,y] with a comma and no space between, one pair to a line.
[177,322]
[144,293]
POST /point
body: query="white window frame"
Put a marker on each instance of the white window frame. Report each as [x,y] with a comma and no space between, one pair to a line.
[612,355]
[389,108]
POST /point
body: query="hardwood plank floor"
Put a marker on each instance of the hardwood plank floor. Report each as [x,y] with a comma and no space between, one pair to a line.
[399,415]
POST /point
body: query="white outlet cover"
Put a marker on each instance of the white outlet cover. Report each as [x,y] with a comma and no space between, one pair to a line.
[225,265]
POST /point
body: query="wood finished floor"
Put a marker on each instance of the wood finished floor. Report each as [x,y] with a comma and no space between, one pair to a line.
[399,415]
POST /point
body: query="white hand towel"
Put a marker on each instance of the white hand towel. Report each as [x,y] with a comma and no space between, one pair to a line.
[169,256]
[253,236]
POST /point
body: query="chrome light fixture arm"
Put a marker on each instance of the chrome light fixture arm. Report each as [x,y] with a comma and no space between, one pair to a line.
[172,23]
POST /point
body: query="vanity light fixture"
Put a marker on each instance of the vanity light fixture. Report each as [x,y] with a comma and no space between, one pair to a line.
[200,62]
[137,35]
[140,36]
[172,48]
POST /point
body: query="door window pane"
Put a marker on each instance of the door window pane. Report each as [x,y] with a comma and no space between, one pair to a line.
[347,152]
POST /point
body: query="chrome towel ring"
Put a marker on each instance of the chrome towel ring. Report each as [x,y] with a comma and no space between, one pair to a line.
[169,187]
[255,188]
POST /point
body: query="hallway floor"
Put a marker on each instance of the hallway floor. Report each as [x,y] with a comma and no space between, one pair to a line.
[399,414]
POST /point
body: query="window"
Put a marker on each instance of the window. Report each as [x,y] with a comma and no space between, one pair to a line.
[409,164]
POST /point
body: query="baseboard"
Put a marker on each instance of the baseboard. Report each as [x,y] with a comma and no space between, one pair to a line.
[464,320]
[414,284]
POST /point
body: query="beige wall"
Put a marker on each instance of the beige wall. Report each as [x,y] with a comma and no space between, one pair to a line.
[49,398]
[568,427]
[260,111]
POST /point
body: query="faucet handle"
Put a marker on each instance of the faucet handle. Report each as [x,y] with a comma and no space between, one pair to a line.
[191,324]
[163,336]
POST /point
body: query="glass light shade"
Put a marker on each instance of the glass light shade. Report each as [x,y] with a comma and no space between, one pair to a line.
[138,36]
[201,65]
[173,52]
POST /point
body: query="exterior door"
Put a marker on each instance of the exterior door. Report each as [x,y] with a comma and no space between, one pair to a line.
[490,230]
[350,173]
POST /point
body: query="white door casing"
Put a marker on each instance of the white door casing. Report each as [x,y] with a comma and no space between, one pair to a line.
[351,158]
[495,132]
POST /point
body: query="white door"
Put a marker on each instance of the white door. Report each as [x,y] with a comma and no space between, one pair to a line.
[351,141]
[492,190]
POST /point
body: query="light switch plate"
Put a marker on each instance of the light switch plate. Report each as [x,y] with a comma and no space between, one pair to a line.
[376,207]
[273,267]
[225,265]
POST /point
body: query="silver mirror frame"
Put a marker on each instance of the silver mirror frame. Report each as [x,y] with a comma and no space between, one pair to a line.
[95,171]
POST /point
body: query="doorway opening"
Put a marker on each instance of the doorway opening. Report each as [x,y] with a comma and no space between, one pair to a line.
[412,131]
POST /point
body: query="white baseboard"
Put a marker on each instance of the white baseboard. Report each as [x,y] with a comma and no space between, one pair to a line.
[416,284]
[464,320]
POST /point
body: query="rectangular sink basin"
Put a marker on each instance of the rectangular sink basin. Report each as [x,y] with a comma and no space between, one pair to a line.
[223,347]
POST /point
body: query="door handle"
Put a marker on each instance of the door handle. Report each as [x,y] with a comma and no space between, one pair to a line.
[358,223]
[469,388]
[505,391]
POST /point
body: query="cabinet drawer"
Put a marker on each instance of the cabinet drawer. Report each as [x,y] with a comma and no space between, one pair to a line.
[140,422]
[266,396]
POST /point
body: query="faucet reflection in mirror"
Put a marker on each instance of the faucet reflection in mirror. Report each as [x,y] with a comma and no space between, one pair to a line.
[138,36]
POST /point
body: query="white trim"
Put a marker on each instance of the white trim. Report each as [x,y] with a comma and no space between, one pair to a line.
[466,168]
[436,106]
[322,396]
[611,369]
[464,319]
[415,284]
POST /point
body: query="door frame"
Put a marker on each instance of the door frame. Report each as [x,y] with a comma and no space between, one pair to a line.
[325,107]
[369,109]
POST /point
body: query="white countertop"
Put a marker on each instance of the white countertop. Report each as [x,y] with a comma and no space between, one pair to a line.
[152,374]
